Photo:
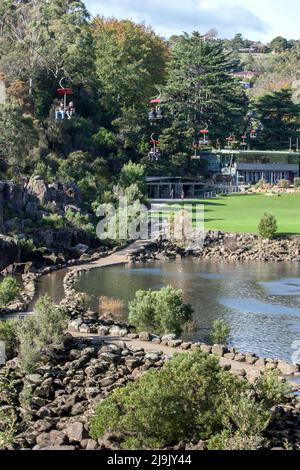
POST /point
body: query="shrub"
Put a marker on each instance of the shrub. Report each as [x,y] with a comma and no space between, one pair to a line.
[297,182]
[190,398]
[8,334]
[55,221]
[111,308]
[220,332]
[284,184]
[8,428]
[81,221]
[40,334]
[9,289]
[261,184]
[237,441]
[272,389]
[160,311]
[268,226]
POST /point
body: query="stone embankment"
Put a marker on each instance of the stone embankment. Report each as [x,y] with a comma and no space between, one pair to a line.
[54,405]
[220,245]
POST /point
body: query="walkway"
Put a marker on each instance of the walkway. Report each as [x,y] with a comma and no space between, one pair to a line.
[252,371]
[119,257]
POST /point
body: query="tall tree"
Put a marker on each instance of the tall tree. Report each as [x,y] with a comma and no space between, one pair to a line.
[200,93]
[280,117]
[130,60]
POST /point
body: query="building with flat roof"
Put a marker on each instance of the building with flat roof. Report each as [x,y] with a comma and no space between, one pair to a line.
[251,173]
[166,187]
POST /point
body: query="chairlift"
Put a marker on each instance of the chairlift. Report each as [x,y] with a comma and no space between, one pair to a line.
[64,109]
[156,113]
[154,153]
[244,139]
[204,140]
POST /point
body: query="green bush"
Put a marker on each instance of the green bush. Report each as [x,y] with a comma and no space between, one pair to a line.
[190,398]
[220,332]
[297,182]
[268,226]
[8,334]
[55,221]
[40,334]
[8,428]
[9,289]
[238,441]
[80,221]
[161,311]
[261,184]
[272,389]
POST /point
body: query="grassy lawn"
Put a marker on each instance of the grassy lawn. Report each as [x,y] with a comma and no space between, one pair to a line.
[242,213]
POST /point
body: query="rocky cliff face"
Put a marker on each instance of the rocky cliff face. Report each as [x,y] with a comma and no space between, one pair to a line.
[22,209]
[8,252]
[22,204]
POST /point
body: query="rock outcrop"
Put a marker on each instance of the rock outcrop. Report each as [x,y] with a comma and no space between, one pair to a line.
[8,252]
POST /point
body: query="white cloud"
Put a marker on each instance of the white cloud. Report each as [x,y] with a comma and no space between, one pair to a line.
[253,18]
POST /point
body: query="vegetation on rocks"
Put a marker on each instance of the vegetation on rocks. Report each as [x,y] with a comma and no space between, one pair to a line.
[161,311]
[220,332]
[8,334]
[190,398]
[40,334]
[268,226]
[9,289]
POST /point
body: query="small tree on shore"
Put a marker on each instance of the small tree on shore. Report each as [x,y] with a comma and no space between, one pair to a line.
[41,334]
[161,312]
[9,289]
[220,332]
[268,226]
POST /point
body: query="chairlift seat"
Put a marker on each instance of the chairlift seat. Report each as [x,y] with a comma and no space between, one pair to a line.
[64,91]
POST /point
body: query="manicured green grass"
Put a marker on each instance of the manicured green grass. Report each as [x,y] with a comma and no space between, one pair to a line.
[242,213]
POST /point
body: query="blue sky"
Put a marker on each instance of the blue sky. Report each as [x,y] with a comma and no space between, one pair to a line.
[256,19]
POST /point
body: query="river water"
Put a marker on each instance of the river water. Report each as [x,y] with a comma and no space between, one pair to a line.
[260,301]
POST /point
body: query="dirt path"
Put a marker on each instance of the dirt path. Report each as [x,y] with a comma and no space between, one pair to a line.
[119,257]
[252,371]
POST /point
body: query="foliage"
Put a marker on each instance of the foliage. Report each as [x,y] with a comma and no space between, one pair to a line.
[130,61]
[9,289]
[297,182]
[111,308]
[280,117]
[159,311]
[55,221]
[8,427]
[279,44]
[80,221]
[191,398]
[133,174]
[268,226]
[272,388]
[40,334]
[285,184]
[220,332]
[200,92]
[8,334]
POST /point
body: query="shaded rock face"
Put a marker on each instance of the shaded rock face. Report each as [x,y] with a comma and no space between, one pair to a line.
[8,252]
[62,194]
[23,207]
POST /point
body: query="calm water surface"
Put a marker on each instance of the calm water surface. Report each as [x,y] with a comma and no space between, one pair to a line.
[260,301]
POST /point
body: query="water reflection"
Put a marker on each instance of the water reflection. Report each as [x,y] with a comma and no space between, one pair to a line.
[260,301]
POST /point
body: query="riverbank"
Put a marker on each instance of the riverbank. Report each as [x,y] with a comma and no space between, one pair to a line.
[101,355]
[56,403]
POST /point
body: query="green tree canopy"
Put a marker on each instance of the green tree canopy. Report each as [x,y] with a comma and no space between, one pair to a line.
[280,117]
